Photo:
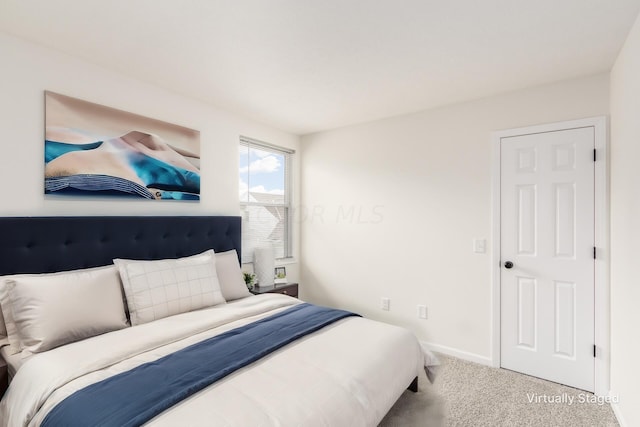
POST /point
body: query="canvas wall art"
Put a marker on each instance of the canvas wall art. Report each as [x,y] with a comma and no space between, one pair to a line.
[93,150]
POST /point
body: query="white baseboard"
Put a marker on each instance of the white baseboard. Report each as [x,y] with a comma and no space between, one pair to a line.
[616,411]
[460,354]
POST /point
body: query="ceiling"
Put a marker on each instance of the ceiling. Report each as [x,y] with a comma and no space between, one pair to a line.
[310,65]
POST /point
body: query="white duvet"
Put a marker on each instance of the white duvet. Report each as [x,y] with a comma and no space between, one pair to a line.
[347,374]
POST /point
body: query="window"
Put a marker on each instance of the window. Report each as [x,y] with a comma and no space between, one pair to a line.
[265,197]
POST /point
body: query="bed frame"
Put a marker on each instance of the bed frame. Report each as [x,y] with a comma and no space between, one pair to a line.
[49,244]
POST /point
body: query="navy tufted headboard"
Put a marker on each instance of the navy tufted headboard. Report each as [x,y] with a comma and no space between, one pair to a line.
[48,244]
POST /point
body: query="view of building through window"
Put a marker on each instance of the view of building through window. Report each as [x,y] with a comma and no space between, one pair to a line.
[264,198]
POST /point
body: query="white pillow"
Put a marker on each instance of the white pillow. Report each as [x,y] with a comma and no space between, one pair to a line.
[230,276]
[50,310]
[4,339]
[11,338]
[161,288]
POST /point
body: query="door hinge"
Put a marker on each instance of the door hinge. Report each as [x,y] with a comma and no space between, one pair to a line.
[594,252]
[594,154]
[594,350]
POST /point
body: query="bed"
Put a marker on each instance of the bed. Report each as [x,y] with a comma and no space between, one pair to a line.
[344,370]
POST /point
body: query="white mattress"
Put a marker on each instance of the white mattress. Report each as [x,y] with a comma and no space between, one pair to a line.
[347,374]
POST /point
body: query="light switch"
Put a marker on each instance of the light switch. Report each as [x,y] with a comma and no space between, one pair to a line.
[422,311]
[479,246]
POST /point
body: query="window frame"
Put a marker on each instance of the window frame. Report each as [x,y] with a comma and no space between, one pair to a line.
[288,154]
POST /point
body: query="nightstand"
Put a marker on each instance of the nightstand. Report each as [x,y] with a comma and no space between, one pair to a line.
[290,289]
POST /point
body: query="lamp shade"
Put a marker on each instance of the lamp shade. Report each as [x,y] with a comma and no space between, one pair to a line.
[264,264]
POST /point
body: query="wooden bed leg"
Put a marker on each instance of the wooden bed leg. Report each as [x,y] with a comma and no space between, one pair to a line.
[414,385]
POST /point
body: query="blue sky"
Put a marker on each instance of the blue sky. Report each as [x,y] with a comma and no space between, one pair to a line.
[261,171]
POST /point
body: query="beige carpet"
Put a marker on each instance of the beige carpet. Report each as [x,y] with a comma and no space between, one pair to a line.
[468,394]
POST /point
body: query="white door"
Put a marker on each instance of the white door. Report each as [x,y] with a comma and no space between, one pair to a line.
[547,255]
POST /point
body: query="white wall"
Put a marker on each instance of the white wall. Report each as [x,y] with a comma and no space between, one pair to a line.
[418,187]
[28,70]
[625,229]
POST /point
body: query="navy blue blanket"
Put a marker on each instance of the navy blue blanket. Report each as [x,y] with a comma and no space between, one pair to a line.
[134,397]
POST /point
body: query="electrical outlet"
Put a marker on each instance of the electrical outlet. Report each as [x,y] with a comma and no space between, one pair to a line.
[422,311]
[385,303]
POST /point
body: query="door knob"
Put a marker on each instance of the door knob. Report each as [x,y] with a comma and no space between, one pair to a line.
[508,264]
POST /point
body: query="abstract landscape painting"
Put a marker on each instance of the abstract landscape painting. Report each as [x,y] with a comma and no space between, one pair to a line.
[93,150]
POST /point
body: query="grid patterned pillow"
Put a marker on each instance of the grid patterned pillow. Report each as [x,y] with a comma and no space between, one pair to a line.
[162,288]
